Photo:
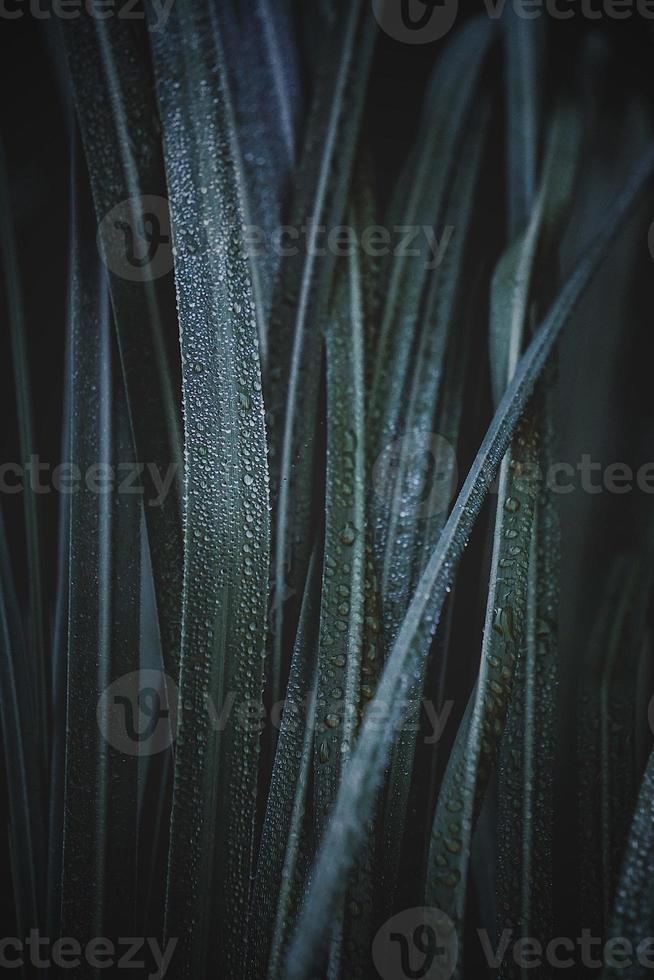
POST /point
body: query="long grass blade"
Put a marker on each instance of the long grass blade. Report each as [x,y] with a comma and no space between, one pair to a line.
[100,814]
[21,754]
[606,747]
[475,751]
[413,530]
[288,829]
[633,914]
[342,613]
[524,786]
[120,128]
[512,289]
[524,70]
[362,776]
[226,521]
[263,78]
[525,811]
[36,626]
[507,613]
[342,604]
[429,176]
[323,186]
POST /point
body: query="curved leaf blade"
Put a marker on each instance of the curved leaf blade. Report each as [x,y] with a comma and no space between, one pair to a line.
[362,776]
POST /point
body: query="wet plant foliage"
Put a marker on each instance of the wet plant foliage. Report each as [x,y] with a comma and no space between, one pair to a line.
[326,638]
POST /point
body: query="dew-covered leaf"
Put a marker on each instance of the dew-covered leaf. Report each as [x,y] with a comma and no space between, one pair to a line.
[322,187]
[411,527]
[288,830]
[226,520]
[362,776]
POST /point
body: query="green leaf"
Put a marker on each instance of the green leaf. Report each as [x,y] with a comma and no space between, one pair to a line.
[100,813]
[411,534]
[606,751]
[21,755]
[342,604]
[263,80]
[524,44]
[288,832]
[226,521]
[120,128]
[524,876]
[342,612]
[323,184]
[363,775]
[37,619]
[429,174]
[633,913]
[475,751]
[400,527]
[513,282]
[527,751]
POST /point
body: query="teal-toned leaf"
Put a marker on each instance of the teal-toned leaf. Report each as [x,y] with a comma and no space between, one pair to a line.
[524,45]
[342,613]
[513,282]
[37,618]
[527,751]
[524,873]
[411,532]
[607,766]
[323,184]
[633,915]
[429,175]
[264,95]
[362,776]
[343,602]
[288,831]
[21,755]
[226,521]
[120,129]
[475,751]
[100,814]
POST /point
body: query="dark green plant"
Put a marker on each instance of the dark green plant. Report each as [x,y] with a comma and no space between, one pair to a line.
[288,559]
